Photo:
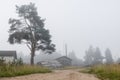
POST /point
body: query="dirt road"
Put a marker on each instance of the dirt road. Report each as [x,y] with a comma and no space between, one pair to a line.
[56,75]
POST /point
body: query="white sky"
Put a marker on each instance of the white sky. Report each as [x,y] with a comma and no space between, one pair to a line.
[79,23]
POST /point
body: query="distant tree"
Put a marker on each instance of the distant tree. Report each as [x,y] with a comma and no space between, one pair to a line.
[75,60]
[97,57]
[72,55]
[89,56]
[29,28]
[118,61]
[108,56]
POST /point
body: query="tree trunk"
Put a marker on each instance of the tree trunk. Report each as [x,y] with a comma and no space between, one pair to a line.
[32,60]
[32,57]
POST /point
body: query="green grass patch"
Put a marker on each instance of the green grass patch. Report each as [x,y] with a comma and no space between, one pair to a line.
[105,72]
[11,71]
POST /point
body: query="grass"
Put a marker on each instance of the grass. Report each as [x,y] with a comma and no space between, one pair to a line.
[11,71]
[106,72]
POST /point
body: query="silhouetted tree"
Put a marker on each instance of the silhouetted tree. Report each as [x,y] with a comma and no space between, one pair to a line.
[97,56]
[72,55]
[75,60]
[108,56]
[118,61]
[29,29]
[89,56]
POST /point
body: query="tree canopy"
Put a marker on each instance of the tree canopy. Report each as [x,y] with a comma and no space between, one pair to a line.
[29,28]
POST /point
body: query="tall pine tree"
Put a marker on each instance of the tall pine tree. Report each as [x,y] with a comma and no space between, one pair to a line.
[29,28]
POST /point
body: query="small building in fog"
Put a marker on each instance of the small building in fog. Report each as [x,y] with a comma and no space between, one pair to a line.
[50,64]
[56,63]
[8,55]
[64,61]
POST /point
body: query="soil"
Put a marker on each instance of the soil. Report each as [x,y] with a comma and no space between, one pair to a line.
[56,75]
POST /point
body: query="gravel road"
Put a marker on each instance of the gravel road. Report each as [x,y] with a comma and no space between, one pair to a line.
[56,75]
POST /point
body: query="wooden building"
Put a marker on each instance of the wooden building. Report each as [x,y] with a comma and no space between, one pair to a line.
[8,55]
[50,64]
[64,61]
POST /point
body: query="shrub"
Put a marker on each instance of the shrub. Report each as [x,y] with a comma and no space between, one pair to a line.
[2,61]
[17,62]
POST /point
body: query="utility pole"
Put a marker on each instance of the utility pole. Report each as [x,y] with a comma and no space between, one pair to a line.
[66,49]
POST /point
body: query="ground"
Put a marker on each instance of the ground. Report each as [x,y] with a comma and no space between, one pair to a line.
[56,75]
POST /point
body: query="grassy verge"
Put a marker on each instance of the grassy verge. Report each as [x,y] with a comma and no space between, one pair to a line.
[105,72]
[11,71]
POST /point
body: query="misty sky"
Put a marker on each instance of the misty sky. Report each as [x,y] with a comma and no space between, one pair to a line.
[79,23]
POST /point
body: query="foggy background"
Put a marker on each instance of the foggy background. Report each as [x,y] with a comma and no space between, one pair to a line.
[77,23]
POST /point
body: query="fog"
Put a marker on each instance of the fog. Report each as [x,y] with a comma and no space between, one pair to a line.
[77,23]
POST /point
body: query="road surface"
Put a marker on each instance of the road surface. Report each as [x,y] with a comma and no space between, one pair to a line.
[56,75]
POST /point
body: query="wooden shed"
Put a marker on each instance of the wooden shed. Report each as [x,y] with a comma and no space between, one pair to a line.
[8,54]
[65,61]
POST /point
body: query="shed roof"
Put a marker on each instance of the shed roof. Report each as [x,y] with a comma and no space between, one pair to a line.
[64,57]
[8,54]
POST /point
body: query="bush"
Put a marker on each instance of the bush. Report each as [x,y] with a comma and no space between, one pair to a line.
[2,61]
[17,62]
